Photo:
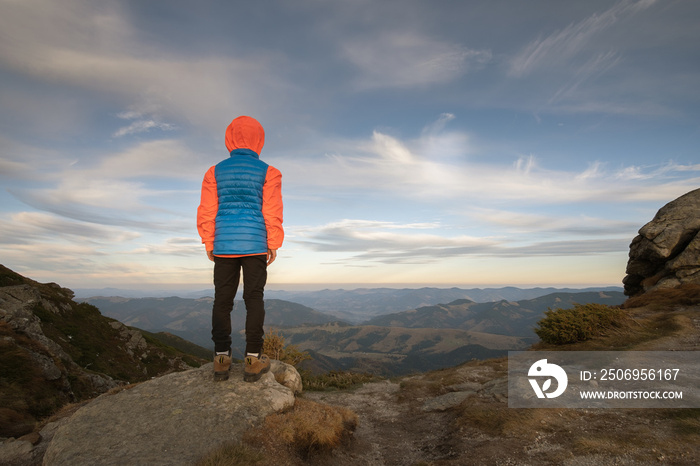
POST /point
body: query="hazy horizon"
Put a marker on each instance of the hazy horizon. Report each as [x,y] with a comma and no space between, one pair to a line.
[301,287]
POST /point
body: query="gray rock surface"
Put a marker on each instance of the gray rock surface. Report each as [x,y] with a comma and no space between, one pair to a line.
[171,420]
[666,253]
[446,401]
[286,375]
[16,304]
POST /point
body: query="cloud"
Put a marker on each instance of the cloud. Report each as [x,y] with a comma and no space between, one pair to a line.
[30,227]
[163,158]
[123,206]
[560,48]
[406,60]
[141,124]
[376,239]
[520,222]
[144,186]
[443,167]
[98,48]
[178,246]
[579,247]
[392,243]
[590,67]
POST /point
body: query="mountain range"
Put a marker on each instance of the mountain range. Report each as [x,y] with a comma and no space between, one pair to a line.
[191,318]
[433,336]
[361,304]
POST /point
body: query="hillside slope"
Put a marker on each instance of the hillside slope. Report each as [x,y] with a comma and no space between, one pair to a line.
[514,318]
[54,351]
[191,318]
[392,351]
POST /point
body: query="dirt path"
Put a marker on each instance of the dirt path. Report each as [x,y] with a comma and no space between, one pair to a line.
[389,432]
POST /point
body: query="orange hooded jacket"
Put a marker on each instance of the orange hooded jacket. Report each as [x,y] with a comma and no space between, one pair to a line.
[243,132]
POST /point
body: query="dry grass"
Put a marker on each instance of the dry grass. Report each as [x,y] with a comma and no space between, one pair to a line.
[289,438]
[233,454]
[687,294]
[441,381]
[308,428]
[497,420]
[335,380]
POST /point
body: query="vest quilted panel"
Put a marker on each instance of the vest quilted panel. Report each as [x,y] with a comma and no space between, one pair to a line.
[240,226]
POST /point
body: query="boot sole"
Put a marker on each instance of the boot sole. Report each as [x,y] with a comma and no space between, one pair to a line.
[220,376]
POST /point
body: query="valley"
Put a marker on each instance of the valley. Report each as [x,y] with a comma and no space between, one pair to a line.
[416,330]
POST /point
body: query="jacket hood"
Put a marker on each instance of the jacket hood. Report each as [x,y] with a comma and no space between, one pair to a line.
[245,132]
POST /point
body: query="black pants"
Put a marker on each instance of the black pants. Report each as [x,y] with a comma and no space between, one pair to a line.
[227,274]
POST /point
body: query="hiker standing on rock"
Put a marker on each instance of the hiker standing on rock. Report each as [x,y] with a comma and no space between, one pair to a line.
[240,221]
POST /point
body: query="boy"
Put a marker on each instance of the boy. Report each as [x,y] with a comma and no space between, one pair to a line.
[240,222]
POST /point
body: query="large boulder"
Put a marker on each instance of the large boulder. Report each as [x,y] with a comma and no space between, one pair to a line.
[171,420]
[666,253]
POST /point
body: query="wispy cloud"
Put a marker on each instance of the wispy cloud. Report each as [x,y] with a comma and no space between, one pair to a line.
[102,51]
[521,222]
[581,68]
[29,227]
[390,243]
[140,124]
[417,168]
[177,246]
[385,239]
[405,60]
[118,188]
[561,47]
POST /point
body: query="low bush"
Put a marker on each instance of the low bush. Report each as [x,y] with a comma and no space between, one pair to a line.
[579,323]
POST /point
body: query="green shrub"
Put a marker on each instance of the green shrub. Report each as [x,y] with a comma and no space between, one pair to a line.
[580,323]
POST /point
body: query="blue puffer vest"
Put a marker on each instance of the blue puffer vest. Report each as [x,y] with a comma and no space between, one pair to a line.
[240,226]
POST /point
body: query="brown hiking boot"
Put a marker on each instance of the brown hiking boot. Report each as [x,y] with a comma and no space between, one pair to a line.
[222,364]
[255,367]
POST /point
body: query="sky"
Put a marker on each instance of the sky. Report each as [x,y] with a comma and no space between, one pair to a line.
[421,142]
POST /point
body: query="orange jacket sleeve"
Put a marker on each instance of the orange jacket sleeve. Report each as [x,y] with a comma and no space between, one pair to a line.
[272,207]
[208,207]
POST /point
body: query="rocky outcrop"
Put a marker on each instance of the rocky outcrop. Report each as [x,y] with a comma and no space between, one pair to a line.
[55,351]
[666,253]
[171,420]
[37,372]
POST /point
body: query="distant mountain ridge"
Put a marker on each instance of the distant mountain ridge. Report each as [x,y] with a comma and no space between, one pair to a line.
[515,318]
[362,304]
[191,318]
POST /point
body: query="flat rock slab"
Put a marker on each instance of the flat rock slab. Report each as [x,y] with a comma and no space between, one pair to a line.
[447,401]
[175,419]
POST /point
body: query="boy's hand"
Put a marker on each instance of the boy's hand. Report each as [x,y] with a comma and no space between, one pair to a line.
[271,256]
[210,255]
